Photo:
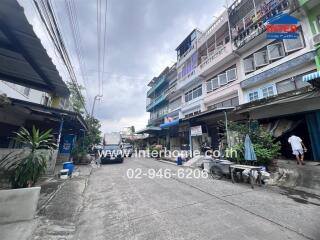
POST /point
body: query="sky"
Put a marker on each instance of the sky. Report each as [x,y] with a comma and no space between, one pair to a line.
[142,36]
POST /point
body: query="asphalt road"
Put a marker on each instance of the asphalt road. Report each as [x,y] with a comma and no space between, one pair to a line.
[118,207]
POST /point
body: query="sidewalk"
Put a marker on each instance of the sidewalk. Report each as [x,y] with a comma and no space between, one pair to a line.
[291,176]
[301,177]
[59,202]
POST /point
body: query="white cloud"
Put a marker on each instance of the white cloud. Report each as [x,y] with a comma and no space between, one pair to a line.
[138,122]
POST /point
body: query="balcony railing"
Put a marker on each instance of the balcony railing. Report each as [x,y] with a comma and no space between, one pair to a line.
[257,25]
[188,79]
[157,85]
[157,100]
[213,28]
[216,57]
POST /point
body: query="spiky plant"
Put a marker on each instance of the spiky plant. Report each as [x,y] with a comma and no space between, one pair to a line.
[30,167]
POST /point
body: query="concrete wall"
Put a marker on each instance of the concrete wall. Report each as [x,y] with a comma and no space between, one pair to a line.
[18,204]
[51,158]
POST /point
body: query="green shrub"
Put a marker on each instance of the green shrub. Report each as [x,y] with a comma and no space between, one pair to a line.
[265,146]
[30,168]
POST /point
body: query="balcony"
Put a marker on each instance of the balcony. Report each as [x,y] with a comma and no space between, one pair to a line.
[157,101]
[156,85]
[220,56]
[249,28]
[213,28]
[186,55]
[188,80]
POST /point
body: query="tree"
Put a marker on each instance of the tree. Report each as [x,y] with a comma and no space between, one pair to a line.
[266,147]
[94,133]
[91,137]
[77,102]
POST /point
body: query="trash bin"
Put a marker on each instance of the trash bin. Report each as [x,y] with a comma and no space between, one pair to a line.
[179,160]
[69,166]
[207,163]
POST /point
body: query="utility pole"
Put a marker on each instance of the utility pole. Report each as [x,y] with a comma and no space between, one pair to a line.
[97,97]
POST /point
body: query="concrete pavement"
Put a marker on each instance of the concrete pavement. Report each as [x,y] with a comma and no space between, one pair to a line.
[116,207]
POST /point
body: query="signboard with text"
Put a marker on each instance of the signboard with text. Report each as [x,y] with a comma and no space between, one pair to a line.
[196,131]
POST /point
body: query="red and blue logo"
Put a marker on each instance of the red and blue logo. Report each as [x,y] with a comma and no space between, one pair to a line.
[282,26]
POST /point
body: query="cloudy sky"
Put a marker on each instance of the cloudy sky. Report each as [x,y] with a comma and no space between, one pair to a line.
[141,39]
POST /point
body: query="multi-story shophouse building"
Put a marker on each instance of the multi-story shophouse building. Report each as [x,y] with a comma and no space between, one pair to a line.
[157,105]
[189,84]
[220,70]
[272,70]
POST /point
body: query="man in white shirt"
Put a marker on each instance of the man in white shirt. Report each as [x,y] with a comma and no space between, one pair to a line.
[298,148]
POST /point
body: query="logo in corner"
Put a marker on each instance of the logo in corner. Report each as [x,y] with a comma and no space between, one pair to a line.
[282,26]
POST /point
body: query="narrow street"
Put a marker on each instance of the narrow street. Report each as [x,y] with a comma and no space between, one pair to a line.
[115,207]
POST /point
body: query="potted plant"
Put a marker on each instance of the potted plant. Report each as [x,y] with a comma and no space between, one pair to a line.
[24,170]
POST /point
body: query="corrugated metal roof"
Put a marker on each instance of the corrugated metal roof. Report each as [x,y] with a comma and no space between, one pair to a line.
[23,59]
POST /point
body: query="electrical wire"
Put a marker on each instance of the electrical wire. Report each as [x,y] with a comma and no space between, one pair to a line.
[49,19]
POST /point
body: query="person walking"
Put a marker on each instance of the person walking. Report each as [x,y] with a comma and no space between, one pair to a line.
[298,148]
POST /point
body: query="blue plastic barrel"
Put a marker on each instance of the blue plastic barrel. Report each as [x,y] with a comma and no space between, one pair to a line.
[179,161]
[69,166]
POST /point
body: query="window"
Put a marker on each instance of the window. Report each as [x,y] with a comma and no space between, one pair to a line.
[175,103]
[291,45]
[188,96]
[215,83]
[222,79]
[286,86]
[235,101]
[267,91]
[197,92]
[260,58]
[209,86]
[227,103]
[275,51]
[253,96]
[232,74]
[248,65]
[192,94]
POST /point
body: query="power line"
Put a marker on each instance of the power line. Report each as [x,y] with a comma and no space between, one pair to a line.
[104,43]
[48,18]
[101,40]
[72,13]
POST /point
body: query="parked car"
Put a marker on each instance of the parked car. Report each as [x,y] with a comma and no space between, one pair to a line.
[127,149]
[112,154]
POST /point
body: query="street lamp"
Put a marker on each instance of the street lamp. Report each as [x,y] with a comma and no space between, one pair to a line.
[97,97]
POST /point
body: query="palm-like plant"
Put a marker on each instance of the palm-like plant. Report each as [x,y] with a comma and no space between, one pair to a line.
[30,168]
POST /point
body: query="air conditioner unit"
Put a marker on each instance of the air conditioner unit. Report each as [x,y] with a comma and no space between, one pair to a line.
[316,39]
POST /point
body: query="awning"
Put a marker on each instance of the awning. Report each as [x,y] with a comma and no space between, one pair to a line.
[39,111]
[170,124]
[23,59]
[149,130]
[209,113]
[311,76]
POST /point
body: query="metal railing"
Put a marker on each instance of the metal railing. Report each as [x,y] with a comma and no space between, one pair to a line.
[157,84]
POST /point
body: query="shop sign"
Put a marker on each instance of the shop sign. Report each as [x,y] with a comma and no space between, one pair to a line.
[196,131]
[282,26]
